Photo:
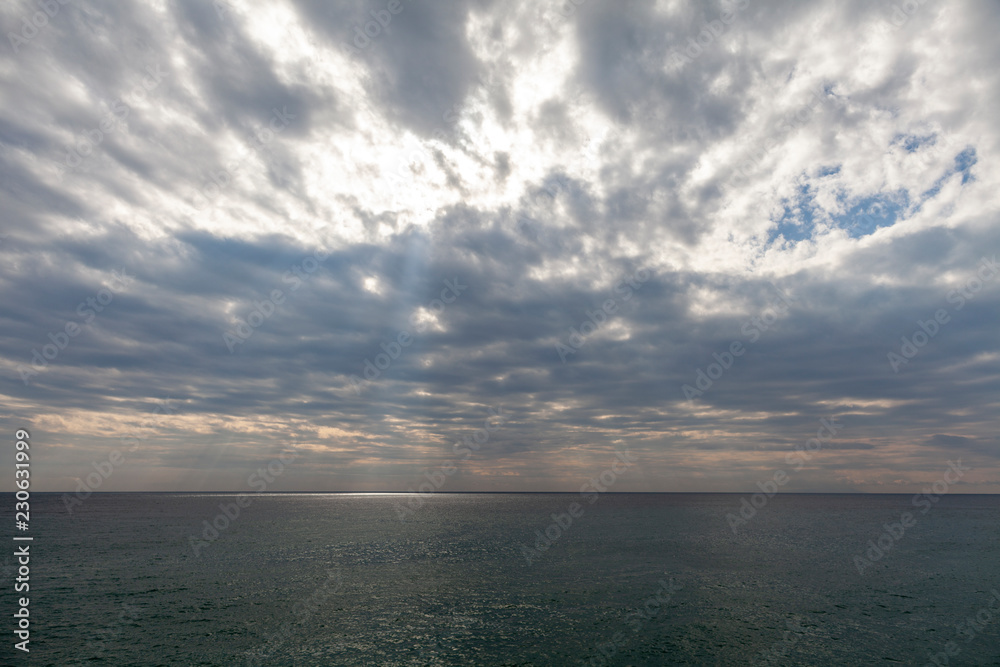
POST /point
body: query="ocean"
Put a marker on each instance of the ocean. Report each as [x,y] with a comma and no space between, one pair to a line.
[511,579]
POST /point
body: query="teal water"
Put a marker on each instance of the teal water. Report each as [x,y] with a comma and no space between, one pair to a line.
[636,579]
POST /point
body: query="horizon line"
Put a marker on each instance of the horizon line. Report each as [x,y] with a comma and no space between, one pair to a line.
[603,493]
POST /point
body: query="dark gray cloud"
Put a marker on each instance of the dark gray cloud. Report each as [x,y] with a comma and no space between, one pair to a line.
[577,176]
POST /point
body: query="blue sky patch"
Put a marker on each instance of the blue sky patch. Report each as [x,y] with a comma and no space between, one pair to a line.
[796,221]
[964,162]
[911,143]
[862,216]
[869,214]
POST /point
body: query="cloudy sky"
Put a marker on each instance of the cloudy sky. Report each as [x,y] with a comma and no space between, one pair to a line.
[373,230]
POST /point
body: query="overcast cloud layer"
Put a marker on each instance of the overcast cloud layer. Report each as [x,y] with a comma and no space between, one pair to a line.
[822,167]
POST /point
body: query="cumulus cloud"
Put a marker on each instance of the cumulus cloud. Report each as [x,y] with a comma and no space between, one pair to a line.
[686,229]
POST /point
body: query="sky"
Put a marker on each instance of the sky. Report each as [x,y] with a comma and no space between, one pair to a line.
[490,246]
